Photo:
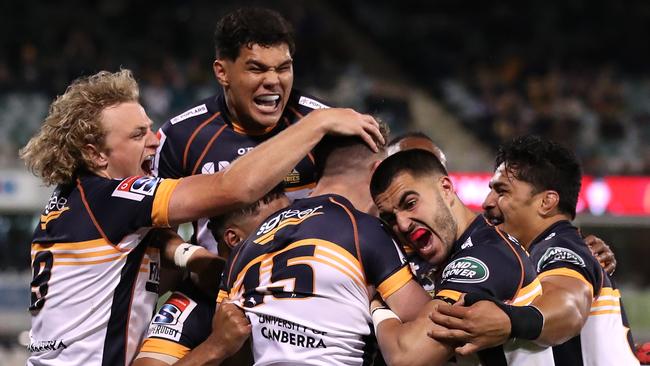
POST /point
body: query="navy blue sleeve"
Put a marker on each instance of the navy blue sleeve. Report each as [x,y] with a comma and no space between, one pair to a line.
[491,269]
[567,251]
[383,260]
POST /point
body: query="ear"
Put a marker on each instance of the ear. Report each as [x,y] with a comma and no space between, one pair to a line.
[446,186]
[232,236]
[94,157]
[220,72]
[549,202]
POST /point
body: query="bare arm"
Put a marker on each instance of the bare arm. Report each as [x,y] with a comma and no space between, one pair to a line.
[230,329]
[565,303]
[257,172]
[408,301]
[408,344]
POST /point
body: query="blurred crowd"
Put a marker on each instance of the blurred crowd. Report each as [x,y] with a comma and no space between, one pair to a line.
[602,114]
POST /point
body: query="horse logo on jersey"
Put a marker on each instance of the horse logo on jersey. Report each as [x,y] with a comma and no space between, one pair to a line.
[558,254]
[135,188]
[466,270]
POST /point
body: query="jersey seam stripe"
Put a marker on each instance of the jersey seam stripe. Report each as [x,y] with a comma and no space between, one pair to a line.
[193,136]
[206,148]
[521,264]
[92,216]
[356,234]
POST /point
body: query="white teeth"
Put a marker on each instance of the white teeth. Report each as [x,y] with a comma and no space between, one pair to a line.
[268,98]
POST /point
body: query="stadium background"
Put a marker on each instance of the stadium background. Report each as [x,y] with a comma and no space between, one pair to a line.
[469,75]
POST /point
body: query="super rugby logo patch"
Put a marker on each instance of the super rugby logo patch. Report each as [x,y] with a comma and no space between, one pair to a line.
[135,188]
[466,270]
[170,319]
[558,254]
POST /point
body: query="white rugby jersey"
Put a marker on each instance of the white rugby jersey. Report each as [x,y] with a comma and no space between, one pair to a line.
[302,280]
[95,280]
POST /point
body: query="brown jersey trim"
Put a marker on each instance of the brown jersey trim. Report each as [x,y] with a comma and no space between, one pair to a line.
[521,264]
[193,136]
[90,213]
[355,230]
[206,148]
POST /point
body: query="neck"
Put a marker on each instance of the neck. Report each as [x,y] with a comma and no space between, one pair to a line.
[538,227]
[463,216]
[354,187]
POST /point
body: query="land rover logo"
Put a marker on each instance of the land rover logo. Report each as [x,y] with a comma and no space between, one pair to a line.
[466,270]
[558,254]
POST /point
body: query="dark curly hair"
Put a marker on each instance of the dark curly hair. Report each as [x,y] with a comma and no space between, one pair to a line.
[545,165]
[249,26]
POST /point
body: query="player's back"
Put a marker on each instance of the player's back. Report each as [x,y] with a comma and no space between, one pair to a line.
[302,279]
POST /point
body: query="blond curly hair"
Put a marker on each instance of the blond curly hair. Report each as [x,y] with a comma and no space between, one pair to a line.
[56,153]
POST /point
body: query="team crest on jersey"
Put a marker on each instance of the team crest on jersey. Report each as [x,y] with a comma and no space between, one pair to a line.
[466,270]
[135,188]
[202,109]
[311,103]
[559,254]
[292,178]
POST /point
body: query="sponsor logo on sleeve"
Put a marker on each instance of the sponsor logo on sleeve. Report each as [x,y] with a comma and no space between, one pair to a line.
[466,270]
[169,321]
[467,244]
[208,168]
[311,103]
[559,254]
[198,110]
[135,188]
[223,164]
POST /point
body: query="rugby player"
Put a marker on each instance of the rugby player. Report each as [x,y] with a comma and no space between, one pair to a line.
[179,328]
[254,66]
[95,275]
[303,276]
[536,184]
[416,197]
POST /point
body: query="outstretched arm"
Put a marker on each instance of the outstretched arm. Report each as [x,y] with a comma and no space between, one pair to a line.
[257,172]
[563,306]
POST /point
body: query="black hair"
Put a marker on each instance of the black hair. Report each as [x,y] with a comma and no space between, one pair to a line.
[249,26]
[217,224]
[415,162]
[545,165]
[336,154]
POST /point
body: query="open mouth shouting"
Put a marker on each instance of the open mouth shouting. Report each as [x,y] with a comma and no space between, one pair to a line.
[421,239]
[267,103]
[147,164]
